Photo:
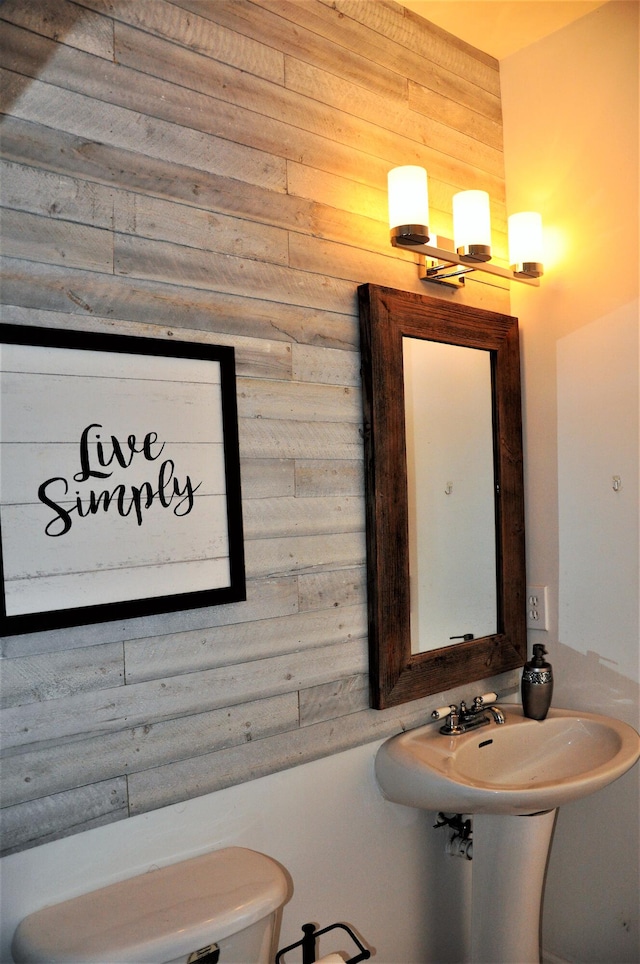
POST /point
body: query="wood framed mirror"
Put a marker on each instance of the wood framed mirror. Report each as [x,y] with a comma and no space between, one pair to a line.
[481,556]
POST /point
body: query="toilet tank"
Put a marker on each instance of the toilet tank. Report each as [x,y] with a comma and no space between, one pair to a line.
[225,903]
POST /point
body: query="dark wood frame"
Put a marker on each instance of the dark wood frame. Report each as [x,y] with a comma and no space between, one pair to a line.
[386,315]
[235,591]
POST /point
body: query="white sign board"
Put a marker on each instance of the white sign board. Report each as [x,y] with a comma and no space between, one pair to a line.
[119,477]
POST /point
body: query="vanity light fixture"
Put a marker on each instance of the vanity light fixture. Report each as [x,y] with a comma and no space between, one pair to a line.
[408,205]
[471,248]
[472,225]
[525,244]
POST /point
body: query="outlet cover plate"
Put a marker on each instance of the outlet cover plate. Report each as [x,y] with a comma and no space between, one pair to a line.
[537,607]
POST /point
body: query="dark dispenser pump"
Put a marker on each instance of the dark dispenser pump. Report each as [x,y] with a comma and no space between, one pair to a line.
[537,685]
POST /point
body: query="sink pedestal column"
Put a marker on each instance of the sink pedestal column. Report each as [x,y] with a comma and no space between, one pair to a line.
[508,868]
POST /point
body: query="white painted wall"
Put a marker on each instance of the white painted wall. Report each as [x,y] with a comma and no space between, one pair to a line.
[570,105]
[352,857]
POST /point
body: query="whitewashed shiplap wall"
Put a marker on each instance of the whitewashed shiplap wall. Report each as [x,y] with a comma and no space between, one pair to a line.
[215,170]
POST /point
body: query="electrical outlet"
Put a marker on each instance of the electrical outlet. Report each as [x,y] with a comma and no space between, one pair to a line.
[537,608]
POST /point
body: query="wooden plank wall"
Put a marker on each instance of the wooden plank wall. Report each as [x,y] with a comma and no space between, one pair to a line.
[215,170]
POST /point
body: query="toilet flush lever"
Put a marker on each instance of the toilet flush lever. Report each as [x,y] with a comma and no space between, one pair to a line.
[206,955]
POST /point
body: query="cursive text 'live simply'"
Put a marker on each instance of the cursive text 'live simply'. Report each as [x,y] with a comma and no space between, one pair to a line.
[121,499]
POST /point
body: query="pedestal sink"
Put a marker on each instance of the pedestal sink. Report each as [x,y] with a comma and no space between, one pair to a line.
[512,777]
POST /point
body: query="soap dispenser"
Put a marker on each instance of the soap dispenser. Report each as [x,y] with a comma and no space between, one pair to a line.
[537,685]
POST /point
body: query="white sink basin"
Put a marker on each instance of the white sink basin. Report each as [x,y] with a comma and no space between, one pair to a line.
[522,766]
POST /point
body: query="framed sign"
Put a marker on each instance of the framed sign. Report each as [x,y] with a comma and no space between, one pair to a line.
[119,478]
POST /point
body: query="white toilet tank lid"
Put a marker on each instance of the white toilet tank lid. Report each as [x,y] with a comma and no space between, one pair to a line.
[157,916]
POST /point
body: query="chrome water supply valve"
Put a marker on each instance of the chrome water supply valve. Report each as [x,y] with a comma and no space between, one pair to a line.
[460,843]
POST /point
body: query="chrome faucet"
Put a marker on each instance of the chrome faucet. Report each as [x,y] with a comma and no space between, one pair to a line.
[464,718]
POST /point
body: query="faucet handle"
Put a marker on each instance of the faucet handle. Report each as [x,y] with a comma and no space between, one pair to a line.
[485,699]
[443,711]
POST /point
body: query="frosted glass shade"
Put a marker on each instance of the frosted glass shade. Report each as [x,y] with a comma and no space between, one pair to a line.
[408,205]
[472,225]
[525,243]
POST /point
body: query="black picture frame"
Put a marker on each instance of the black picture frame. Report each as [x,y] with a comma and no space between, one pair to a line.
[151,428]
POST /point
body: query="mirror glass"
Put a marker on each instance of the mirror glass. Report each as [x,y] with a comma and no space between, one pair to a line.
[451,493]
[444,487]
